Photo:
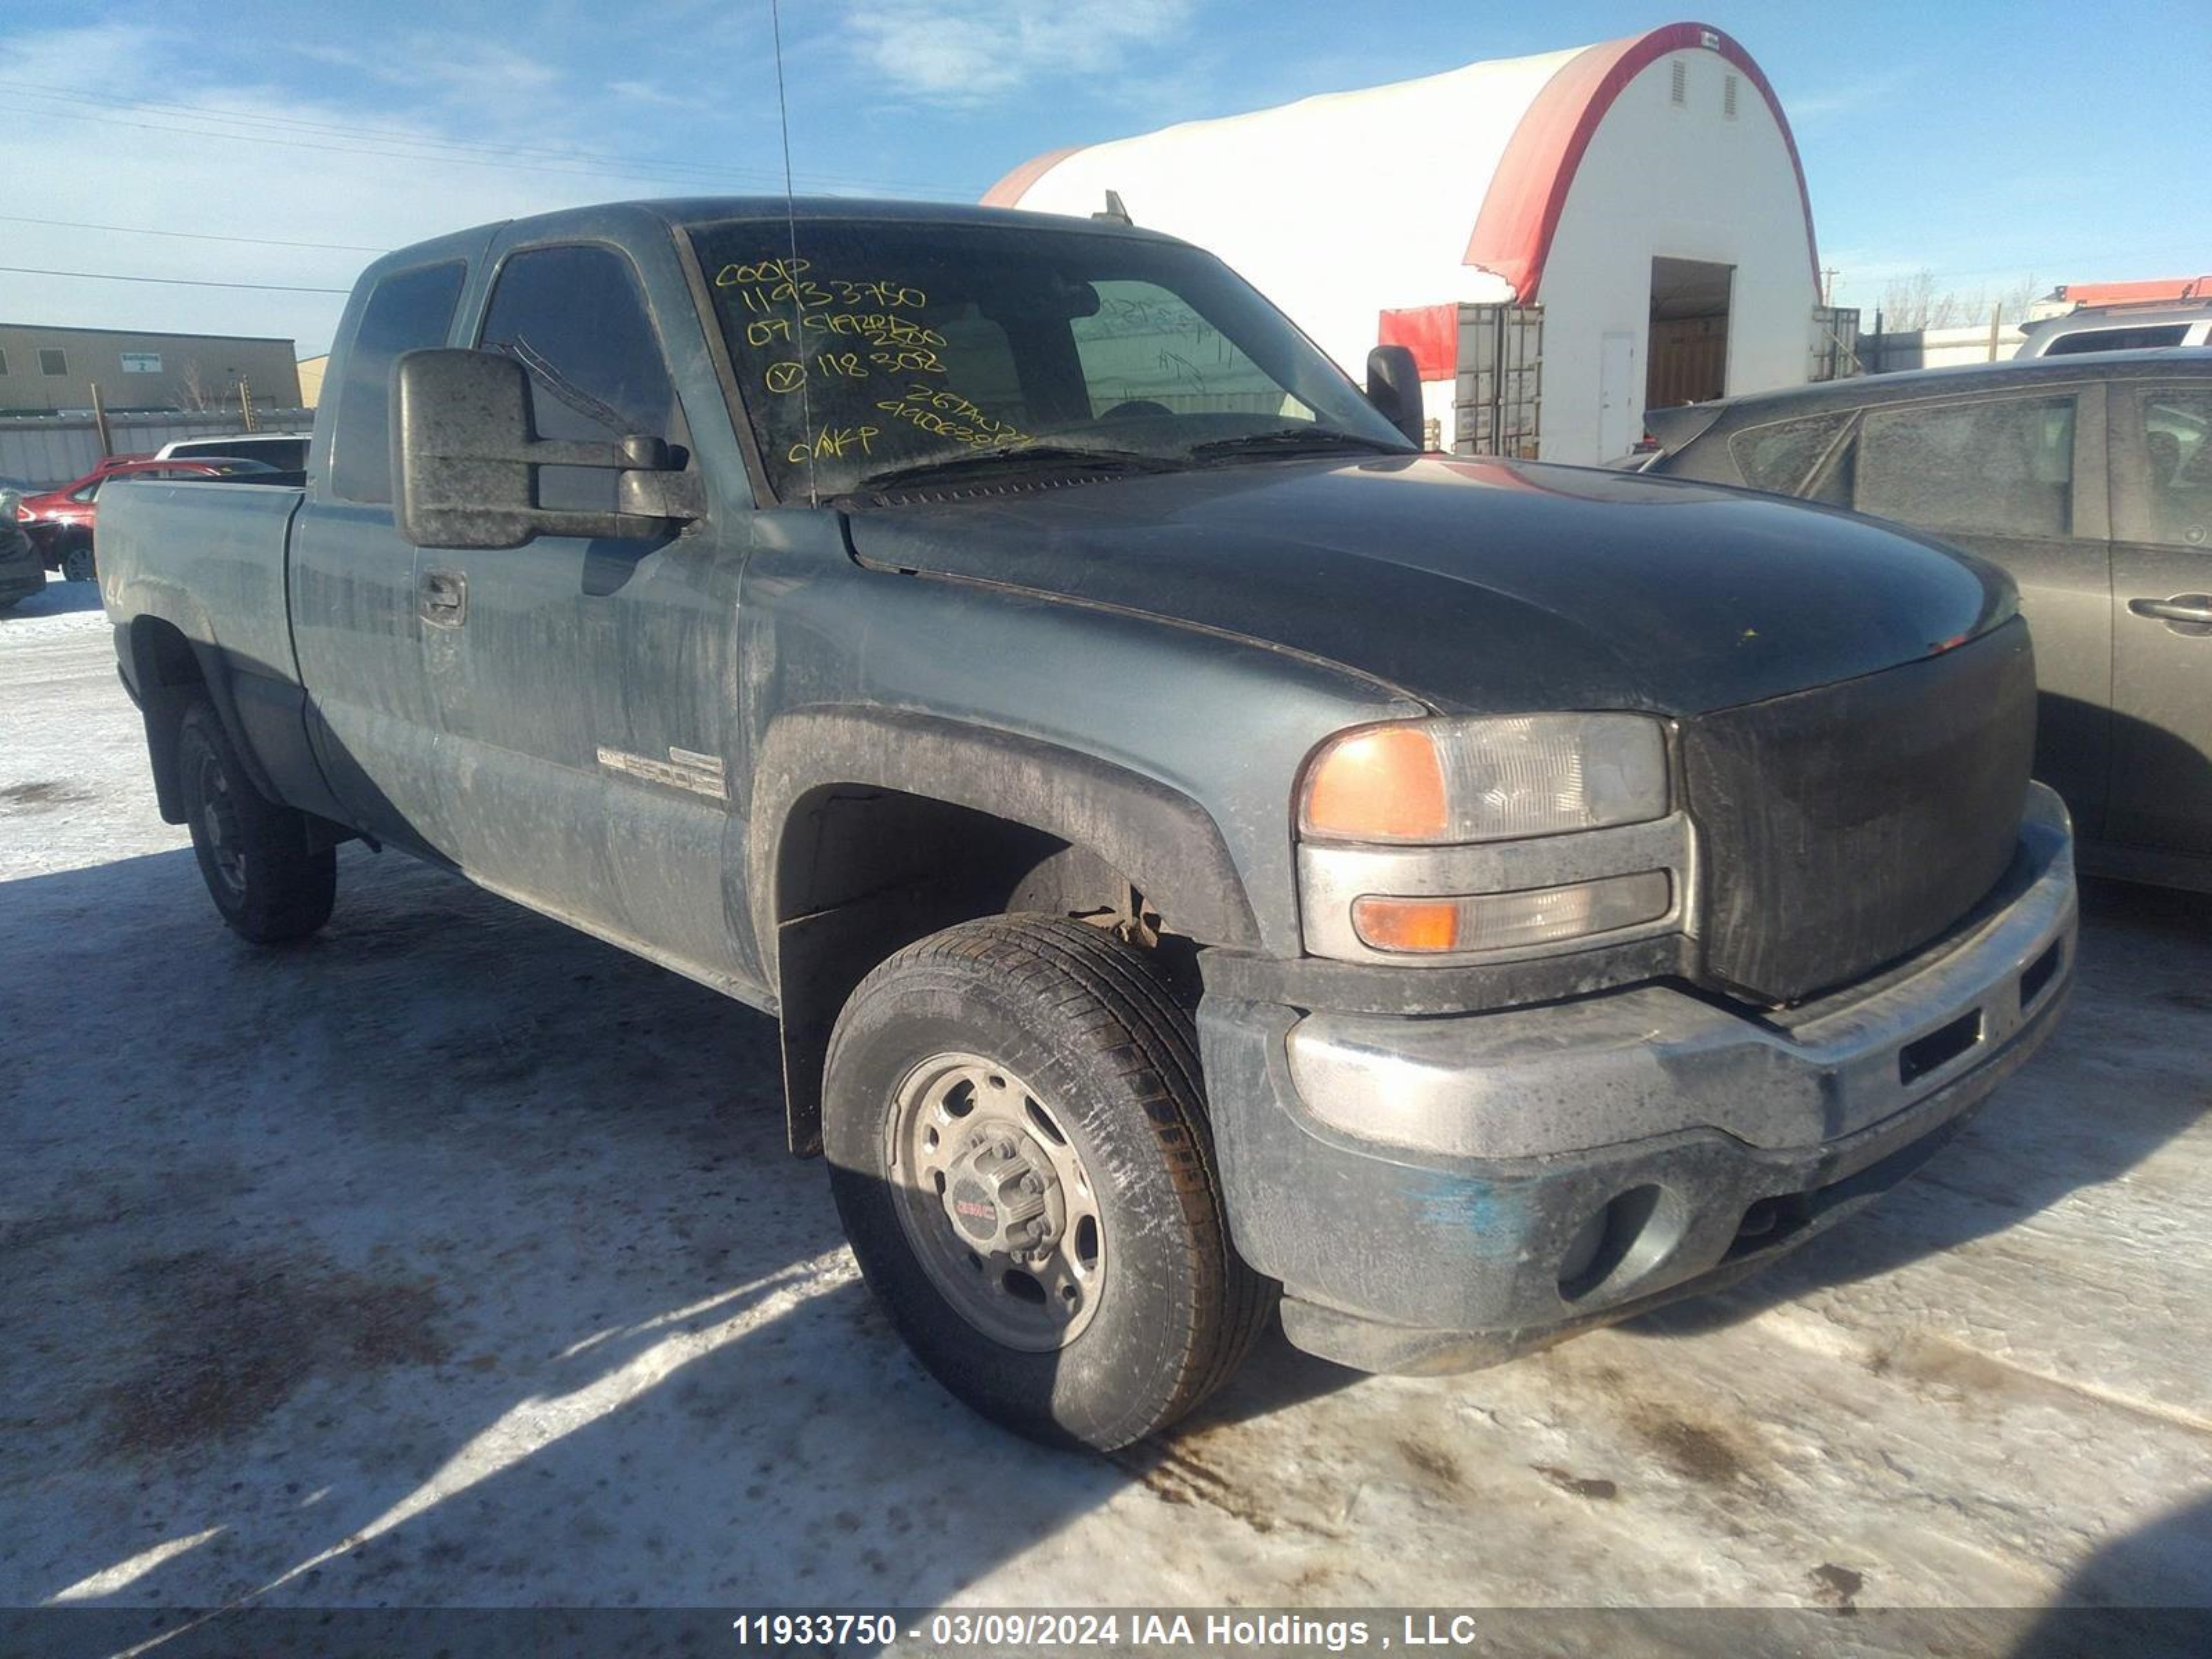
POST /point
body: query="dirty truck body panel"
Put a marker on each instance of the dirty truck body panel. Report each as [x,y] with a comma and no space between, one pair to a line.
[1096,686]
[1400,565]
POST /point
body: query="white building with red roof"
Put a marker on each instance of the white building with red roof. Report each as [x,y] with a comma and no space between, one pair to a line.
[1641,198]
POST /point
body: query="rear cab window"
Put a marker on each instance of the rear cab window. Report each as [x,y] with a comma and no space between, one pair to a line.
[408,311]
[1145,346]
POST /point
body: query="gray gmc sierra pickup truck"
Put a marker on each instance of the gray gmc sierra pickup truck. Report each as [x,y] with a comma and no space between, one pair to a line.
[1200,849]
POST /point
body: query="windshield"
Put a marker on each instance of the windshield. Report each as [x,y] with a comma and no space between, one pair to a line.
[885,347]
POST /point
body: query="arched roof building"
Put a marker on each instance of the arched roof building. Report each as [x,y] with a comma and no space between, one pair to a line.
[1646,193]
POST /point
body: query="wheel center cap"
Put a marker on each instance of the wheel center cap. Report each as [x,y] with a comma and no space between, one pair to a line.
[999,1194]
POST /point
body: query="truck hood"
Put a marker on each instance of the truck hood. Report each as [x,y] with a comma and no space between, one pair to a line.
[1478,586]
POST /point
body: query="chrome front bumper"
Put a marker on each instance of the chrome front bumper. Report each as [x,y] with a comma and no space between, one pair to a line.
[1418,1182]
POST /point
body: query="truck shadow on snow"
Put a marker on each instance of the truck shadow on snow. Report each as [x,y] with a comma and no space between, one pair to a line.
[2143,1594]
[2066,1121]
[453,1257]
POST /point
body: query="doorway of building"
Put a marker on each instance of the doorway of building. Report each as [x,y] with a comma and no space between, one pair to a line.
[1688,359]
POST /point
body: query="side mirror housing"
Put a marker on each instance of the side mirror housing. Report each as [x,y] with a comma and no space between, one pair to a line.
[1394,387]
[465,448]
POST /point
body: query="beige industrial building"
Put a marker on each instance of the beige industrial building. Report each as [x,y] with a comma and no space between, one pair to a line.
[46,370]
[311,381]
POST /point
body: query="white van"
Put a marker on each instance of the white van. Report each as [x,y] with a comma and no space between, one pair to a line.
[285,451]
[2118,328]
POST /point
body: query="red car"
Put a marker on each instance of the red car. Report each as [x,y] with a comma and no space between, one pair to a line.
[112,462]
[60,521]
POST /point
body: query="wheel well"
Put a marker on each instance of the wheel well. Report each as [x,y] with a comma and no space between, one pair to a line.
[168,679]
[861,873]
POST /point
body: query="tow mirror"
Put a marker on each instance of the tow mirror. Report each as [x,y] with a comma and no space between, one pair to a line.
[1394,387]
[464,451]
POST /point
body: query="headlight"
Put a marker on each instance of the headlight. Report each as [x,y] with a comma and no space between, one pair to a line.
[1442,840]
[1454,781]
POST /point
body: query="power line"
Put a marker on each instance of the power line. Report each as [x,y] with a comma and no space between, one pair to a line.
[171,282]
[190,235]
[505,155]
[387,134]
[400,135]
[358,150]
[2027,267]
[204,111]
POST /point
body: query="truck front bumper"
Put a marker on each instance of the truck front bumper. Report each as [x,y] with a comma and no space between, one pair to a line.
[1444,1192]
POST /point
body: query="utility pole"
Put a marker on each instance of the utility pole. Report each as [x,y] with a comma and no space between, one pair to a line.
[99,422]
[1828,286]
[246,402]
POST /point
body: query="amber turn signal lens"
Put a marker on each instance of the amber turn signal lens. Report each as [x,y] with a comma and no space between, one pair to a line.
[1383,784]
[1399,924]
[1495,921]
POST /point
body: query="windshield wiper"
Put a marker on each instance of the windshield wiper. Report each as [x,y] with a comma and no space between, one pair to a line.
[1002,457]
[1289,440]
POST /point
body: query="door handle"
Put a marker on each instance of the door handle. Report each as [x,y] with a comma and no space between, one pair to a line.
[445,598]
[2186,613]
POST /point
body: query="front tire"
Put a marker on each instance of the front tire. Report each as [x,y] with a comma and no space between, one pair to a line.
[77,562]
[253,854]
[1019,1152]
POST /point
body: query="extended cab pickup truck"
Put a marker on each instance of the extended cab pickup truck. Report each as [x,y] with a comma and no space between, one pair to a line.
[1200,849]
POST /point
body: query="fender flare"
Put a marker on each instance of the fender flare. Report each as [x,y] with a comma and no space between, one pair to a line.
[1163,840]
[161,699]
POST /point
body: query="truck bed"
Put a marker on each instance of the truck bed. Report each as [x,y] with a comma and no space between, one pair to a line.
[207,557]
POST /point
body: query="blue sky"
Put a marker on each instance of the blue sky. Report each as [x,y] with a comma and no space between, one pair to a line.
[1991,143]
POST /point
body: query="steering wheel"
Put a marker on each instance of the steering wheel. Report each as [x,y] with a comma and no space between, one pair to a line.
[1135,409]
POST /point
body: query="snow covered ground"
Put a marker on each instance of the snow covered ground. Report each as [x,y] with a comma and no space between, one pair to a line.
[454,1259]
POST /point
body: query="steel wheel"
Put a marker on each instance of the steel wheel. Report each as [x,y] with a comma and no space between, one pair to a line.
[219,821]
[267,879]
[1017,1145]
[996,1203]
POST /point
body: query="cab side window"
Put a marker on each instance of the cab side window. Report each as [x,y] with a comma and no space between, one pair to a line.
[2171,507]
[409,310]
[574,318]
[2001,466]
